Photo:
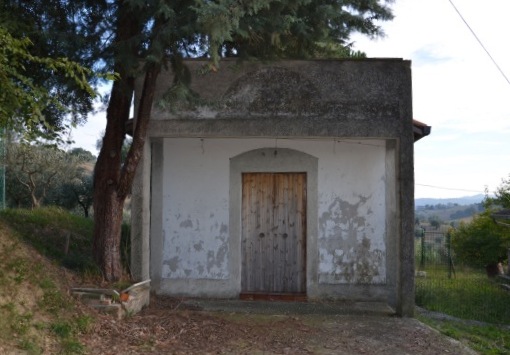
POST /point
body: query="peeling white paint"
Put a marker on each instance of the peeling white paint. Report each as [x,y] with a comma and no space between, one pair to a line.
[352,215]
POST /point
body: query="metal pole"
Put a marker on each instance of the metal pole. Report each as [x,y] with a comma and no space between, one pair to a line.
[451,267]
[422,261]
[449,254]
[2,169]
[508,257]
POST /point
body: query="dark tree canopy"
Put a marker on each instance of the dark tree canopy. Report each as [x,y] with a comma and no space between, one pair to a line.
[57,36]
[136,38]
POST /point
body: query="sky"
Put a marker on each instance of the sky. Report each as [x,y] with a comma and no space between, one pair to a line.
[457,89]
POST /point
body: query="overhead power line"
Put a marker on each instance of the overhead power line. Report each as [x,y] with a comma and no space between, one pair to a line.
[450,188]
[480,42]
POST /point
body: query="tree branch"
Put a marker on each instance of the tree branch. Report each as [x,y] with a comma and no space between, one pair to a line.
[140,130]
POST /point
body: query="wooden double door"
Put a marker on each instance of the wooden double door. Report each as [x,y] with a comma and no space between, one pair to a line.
[273,233]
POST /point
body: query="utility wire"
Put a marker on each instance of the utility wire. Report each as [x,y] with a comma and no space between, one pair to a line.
[450,188]
[480,42]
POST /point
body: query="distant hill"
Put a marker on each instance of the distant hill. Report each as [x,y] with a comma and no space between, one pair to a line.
[461,201]
[448,210]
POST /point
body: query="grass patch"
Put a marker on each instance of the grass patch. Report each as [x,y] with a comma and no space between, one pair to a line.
[30,347]
[485,339]
[62,329]
[53,301]
[84,323]
[21,323]
[469,295]
[19,269]
[46,283]
[71,346]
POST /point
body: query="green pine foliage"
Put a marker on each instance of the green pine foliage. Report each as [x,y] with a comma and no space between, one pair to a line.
[288,29]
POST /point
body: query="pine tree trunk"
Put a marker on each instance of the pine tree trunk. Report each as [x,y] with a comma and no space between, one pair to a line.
[107,202]
[107,232]
[112,182]
[108,205]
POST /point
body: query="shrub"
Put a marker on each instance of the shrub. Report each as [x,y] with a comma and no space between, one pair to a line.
[482,242]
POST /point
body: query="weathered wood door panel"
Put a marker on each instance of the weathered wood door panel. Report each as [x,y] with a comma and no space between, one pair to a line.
[273,233]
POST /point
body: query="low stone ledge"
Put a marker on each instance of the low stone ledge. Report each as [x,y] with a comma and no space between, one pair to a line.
[138,296]
[119,304]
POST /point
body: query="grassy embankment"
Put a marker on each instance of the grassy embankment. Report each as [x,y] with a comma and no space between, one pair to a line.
[36,313]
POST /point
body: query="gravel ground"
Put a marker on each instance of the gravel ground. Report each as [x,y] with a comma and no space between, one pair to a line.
[173,326]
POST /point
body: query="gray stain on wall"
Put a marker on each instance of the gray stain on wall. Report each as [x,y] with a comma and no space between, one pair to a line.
[195,254]
[216,259]
[186,224]
[173,263]
[199,246]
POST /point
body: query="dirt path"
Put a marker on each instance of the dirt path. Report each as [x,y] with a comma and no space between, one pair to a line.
[169,326]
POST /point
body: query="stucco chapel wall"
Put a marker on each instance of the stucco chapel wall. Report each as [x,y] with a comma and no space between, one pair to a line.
[307,106]
[200,242]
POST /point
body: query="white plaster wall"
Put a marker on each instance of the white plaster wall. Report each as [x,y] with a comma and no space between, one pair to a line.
[195,209]
[351,203]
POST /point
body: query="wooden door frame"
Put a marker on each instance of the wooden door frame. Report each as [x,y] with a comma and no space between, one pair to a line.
[281,160]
